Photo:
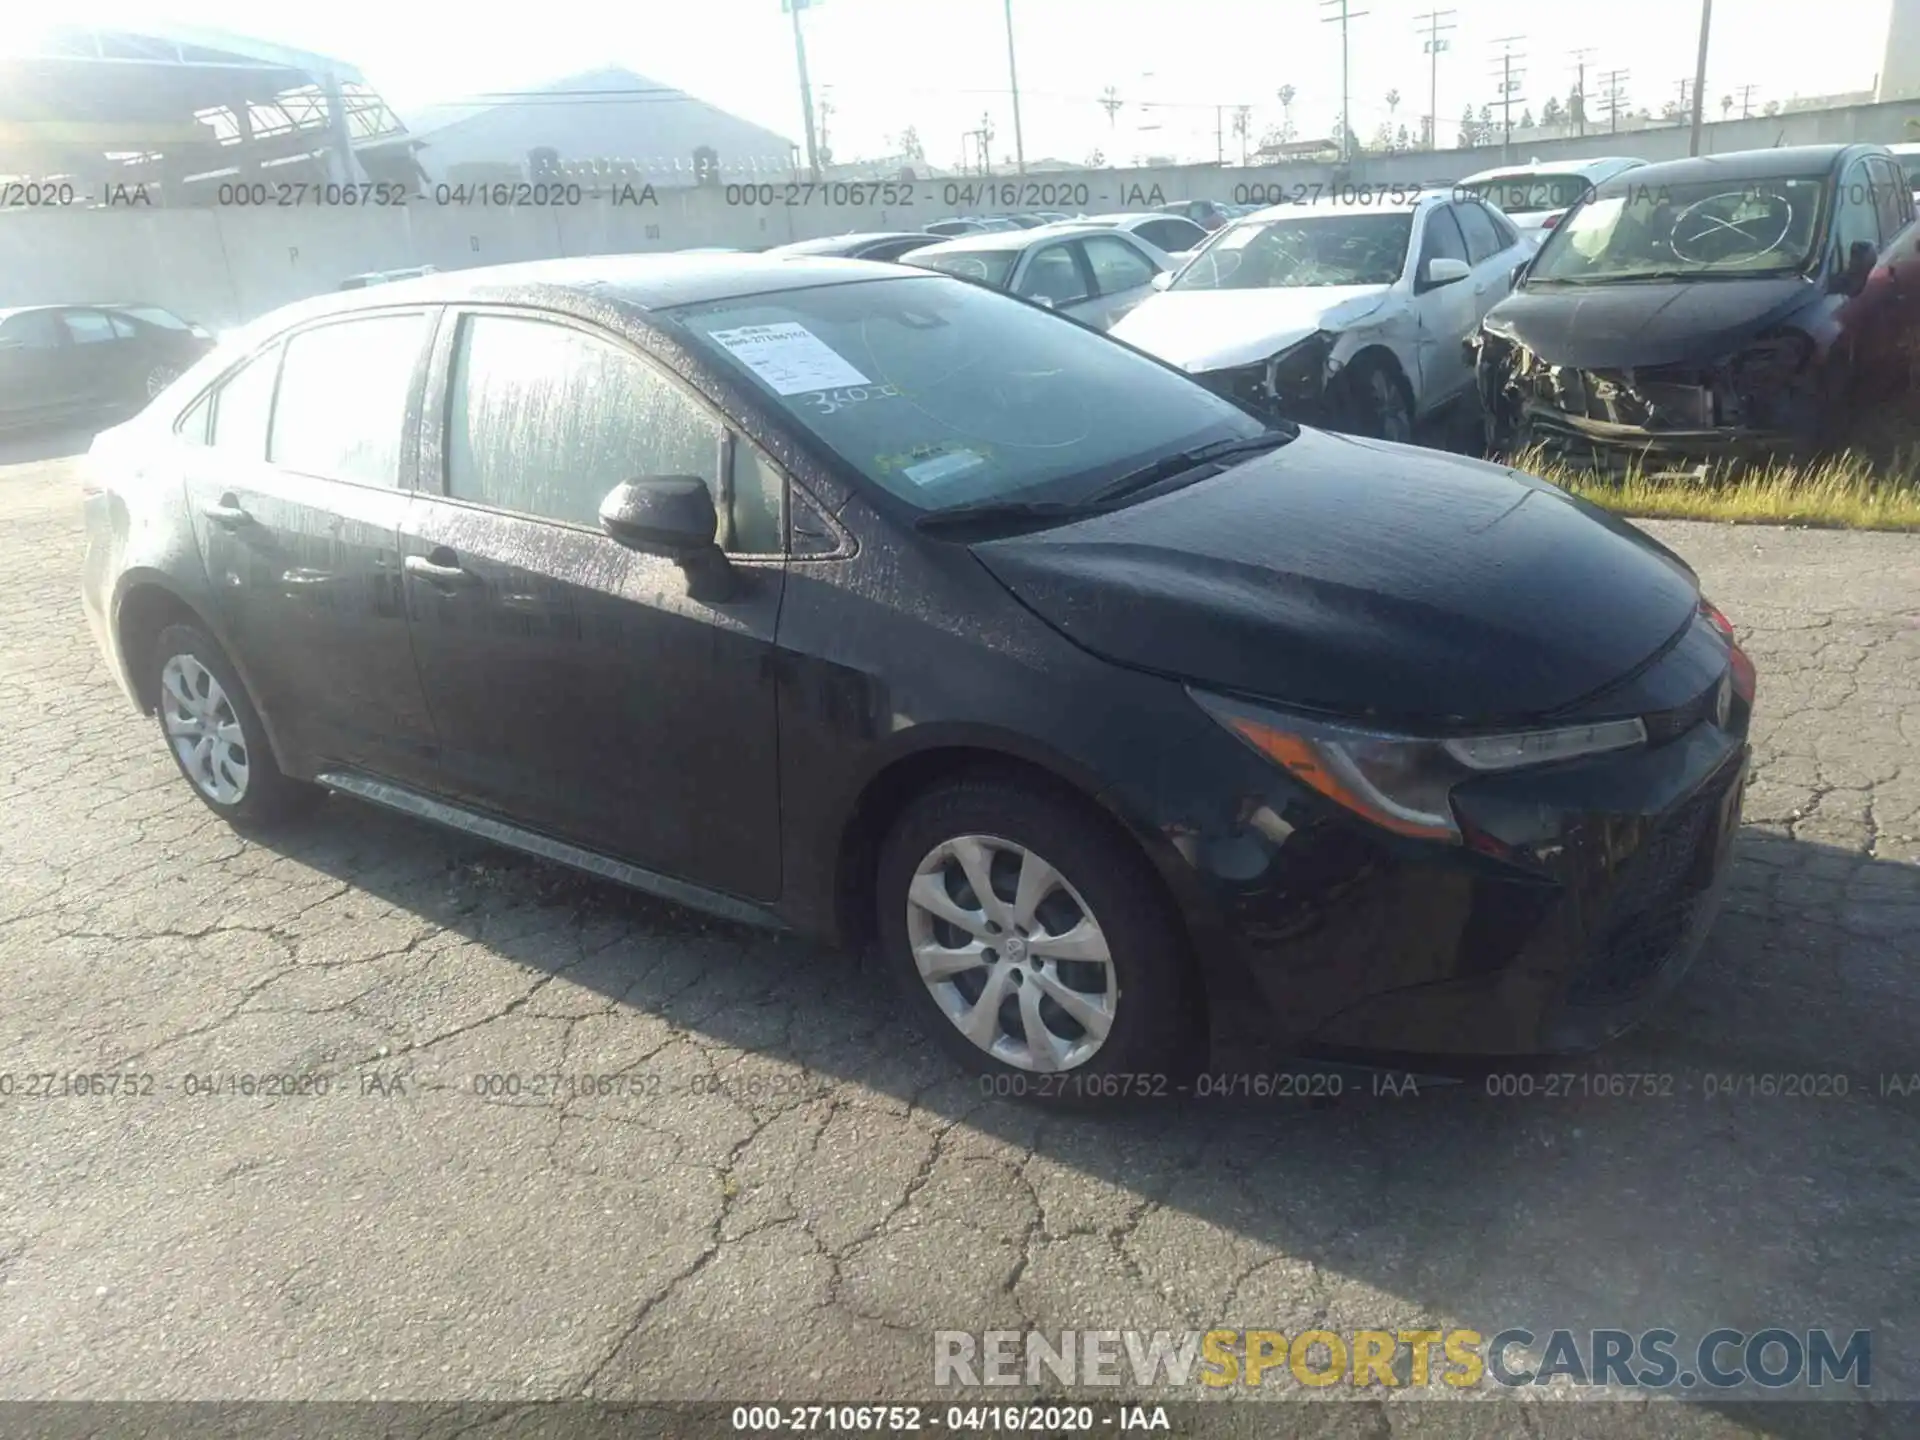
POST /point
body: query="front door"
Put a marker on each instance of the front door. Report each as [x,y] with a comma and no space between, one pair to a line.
[575,685]
[296,499]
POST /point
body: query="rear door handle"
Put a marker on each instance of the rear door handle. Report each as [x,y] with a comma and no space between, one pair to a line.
[440,569]
[227,513]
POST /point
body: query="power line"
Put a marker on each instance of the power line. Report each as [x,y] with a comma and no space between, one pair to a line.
[1435,23]
[1580,58]
[1509,85]
[1613,84]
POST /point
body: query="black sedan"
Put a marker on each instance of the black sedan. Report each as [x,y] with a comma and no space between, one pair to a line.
[874,245]
[872,603]
[60,362]
[1746,305]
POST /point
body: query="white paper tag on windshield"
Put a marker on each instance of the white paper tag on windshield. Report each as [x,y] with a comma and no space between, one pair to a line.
[790,358]
[943,467]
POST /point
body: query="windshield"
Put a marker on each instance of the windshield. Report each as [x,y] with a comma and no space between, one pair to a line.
[1712,227]
[1527,194]
[986,267]
[153,315]
[947,395]
[1308,250]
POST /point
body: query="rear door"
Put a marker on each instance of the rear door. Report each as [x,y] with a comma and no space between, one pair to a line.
[102,362]
[577,688]
[1122,277]
[296,496]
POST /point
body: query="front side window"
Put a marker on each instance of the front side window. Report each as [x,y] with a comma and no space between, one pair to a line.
[944,394]
[1856,221]
[1306,250]
[1117,265]
[545,419]
[1639,230]
[342,405]
[1891,197]
[88,327]
[1443,240]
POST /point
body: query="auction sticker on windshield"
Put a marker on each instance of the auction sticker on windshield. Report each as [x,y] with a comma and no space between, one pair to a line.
[940,468]
[790,358]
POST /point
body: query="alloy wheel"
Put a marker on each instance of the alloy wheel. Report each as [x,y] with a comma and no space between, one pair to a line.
[1011,953]
[204,730]
[1389,407]
[159,378]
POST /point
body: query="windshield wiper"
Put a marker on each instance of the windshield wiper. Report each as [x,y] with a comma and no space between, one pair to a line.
[1180,462]
[990,513]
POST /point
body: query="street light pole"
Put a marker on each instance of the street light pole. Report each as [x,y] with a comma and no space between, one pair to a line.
[793,8]
[1700,74]
[1013,79]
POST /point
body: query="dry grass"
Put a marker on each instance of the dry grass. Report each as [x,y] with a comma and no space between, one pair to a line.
[1873,486]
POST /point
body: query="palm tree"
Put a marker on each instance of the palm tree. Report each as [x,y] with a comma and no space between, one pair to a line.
[1726,107]
[1286,93]
[1242,124]
[1393,105]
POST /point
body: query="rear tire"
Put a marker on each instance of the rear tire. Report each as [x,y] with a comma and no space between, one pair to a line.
[1071,981]
[214,734]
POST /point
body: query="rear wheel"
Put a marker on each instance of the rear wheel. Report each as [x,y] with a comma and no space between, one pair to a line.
[160,377]
[1036,943]
[214,734]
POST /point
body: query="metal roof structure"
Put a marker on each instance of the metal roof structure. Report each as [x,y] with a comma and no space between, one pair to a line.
[176,109]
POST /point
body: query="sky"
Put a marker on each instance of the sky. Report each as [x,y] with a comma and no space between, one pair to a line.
[1178,67]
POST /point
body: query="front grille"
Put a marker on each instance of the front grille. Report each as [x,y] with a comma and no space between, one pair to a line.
[1655,904]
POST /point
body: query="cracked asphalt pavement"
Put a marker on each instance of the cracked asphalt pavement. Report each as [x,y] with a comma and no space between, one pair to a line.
[789,1190]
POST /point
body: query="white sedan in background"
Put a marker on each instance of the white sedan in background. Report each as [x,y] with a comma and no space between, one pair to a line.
[1171,235]
[1093,274]
[1345,315]
[1537,197]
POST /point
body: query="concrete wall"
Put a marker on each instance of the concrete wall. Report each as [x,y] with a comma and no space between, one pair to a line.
[221,266]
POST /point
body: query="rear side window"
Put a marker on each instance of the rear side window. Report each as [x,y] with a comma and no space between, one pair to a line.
[342,405]
[1482,242]
[1117,265]
[544,420]
[1171,234]
[243,405]
[33,330]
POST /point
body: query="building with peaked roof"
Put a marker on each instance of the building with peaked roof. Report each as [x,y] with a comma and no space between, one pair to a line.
[590,123]
[173,110]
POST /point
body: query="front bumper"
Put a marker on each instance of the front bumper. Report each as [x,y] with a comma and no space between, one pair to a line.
[1579,899]
[1598,445]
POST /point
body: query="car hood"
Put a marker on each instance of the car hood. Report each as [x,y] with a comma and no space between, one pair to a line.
[1202,330]
[1365,579]
[1619,327]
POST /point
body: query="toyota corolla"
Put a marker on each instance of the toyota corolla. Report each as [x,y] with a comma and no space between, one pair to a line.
[1108,716]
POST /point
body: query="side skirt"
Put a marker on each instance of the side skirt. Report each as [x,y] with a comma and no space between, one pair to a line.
[408,802]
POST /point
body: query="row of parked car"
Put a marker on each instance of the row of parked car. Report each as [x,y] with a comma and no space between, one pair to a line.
[1612,311]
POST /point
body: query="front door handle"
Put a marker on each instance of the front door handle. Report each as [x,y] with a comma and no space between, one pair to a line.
[440,569]
[226,513]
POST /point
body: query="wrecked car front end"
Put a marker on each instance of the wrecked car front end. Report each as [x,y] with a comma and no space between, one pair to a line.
[1296,383]
[1759,402]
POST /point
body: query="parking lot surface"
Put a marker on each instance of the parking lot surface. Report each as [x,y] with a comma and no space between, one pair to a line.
[784,1190]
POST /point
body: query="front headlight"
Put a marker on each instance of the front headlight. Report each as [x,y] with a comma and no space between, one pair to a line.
[1299,372]
[1404,783]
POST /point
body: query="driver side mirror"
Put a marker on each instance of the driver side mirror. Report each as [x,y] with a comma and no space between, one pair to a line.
[1861,258]
[1445,270]
[1162,279]
[672,515]
[1044,302]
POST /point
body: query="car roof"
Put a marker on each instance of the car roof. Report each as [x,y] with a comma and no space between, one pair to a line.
[1384,206]
[1554,167]
[992,240]
[638,282]
[9,311]
[864,237]
[1775,164]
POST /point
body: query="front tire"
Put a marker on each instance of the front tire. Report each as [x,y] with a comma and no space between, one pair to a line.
[1036,943]
[215,736]
[1379,404]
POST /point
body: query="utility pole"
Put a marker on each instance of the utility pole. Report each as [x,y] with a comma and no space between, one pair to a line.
[793,8]
[1111,102]
[1220,135]
[1346,75]
[1746,101]
[985,132]
[826,109]
[1580,58]
[1509,84]
[1013,79]
[1700,73]
[1613,80]
[1433,24]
